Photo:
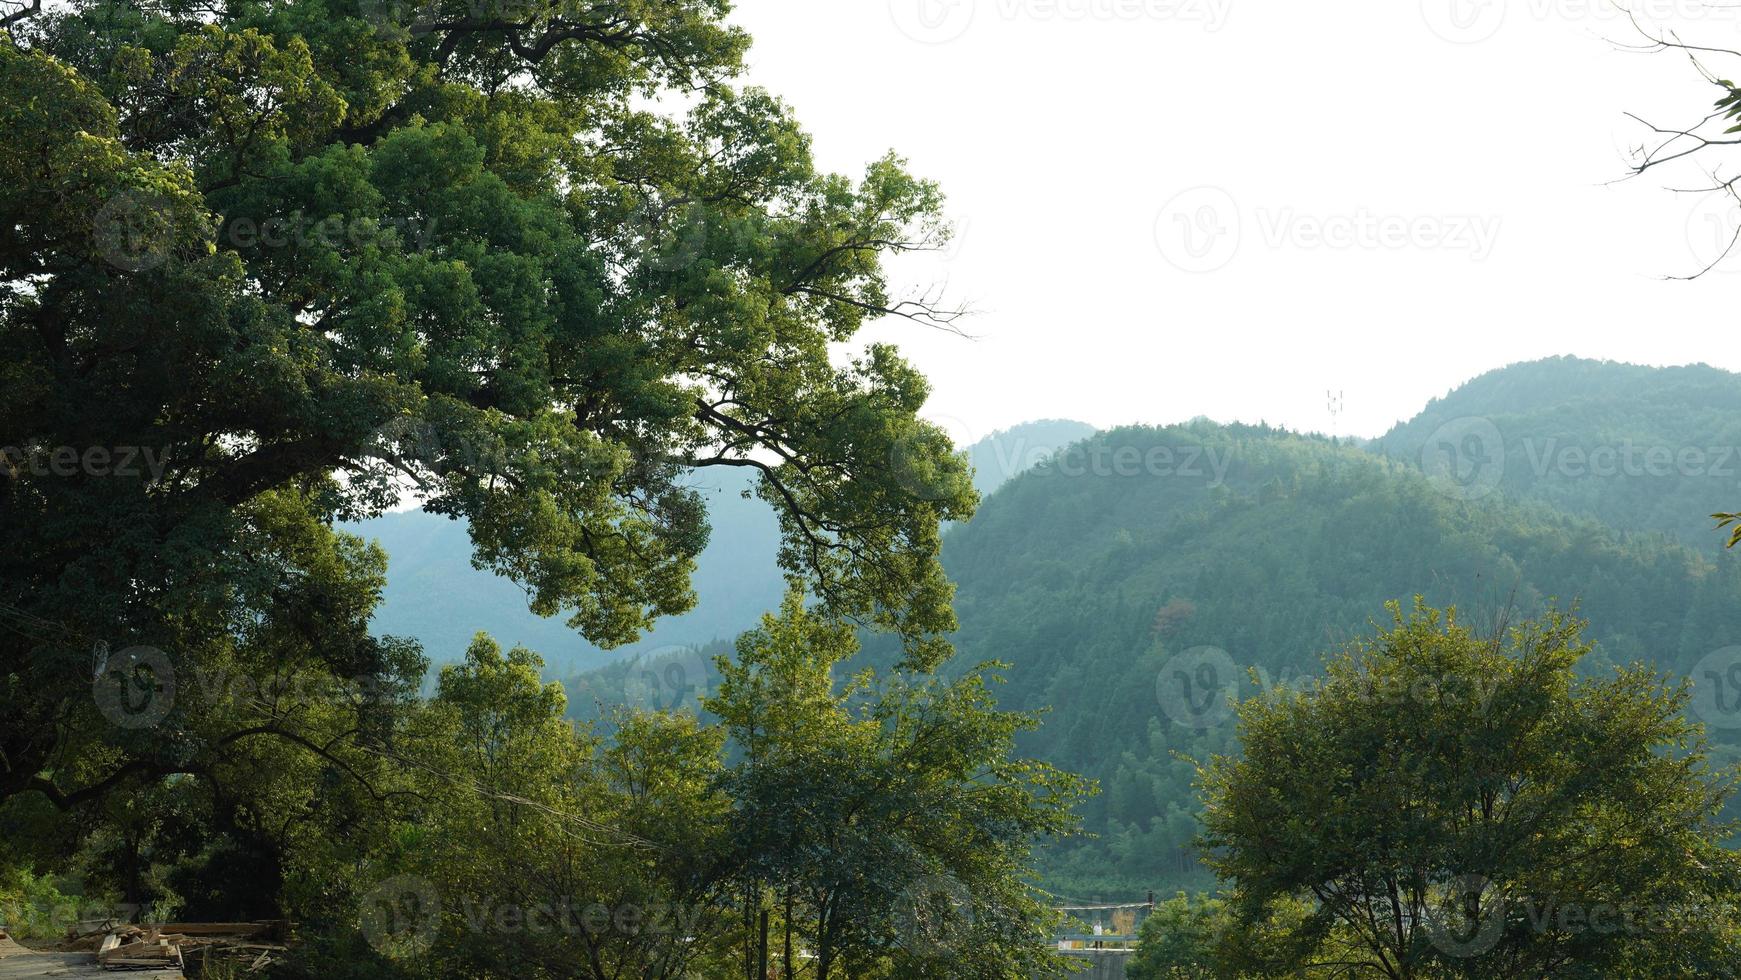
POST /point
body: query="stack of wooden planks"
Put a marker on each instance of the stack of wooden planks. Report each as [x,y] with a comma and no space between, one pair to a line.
[137,952]
[250,945]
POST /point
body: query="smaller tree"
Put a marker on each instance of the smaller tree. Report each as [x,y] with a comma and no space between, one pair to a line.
[1451,806]
[1179,939]
[545,850]
[1202,939]
[884,819]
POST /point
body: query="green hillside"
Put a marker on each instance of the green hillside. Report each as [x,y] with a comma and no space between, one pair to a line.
[1220,546]
[1637,448]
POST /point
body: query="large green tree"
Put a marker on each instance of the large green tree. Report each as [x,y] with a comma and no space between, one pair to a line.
[1454,806]
[274,263]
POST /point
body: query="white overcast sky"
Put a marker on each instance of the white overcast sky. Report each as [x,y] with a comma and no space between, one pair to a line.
[1173,208]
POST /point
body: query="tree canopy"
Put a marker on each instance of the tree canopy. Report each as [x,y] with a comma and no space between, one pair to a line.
[278,264]
[1453,806]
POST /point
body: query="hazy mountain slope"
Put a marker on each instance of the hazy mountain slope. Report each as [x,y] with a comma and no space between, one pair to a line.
[434,595]
[1093,579]
[1638,448]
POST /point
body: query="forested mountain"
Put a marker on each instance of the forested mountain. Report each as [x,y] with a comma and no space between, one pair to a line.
[1638,448]
[1107,585]
[433,593]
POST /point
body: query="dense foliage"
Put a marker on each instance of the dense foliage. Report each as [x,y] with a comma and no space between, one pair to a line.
[306,256]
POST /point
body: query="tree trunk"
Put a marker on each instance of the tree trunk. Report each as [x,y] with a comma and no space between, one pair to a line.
[762,949]
[789,972]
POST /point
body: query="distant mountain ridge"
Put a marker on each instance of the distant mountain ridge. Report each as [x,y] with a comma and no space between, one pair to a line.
[1642,449]
[434,595]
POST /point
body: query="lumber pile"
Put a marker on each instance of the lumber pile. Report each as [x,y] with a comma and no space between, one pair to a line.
[137,952]
[251,946]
